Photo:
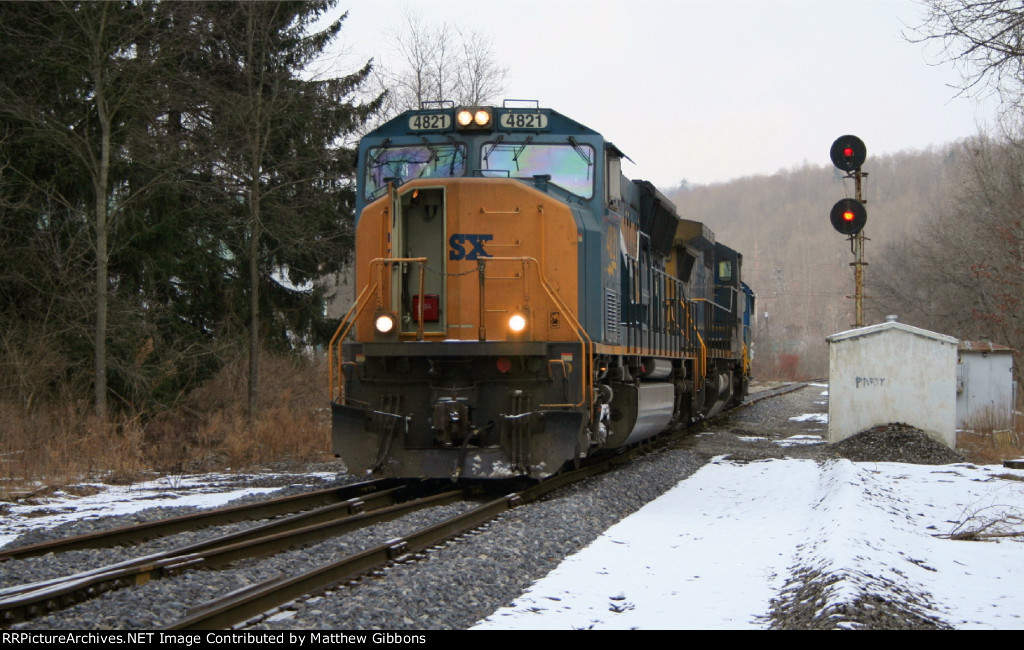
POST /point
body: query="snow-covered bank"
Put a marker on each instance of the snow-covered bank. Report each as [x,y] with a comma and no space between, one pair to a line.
[717,549]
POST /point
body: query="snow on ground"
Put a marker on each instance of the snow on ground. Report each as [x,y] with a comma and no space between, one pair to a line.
[811,417]
[203,491]
[715,550]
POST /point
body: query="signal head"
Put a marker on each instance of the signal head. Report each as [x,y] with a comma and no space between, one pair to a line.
[848,153]
[849,216]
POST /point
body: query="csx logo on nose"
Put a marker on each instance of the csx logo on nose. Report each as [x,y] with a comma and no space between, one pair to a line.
[459,242]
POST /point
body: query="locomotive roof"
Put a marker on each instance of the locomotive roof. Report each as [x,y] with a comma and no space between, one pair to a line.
[554,122]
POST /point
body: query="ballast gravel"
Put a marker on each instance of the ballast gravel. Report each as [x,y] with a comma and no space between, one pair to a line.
[459,584]
[450,587]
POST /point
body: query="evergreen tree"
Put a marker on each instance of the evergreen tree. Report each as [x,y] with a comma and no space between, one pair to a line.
[278,164]
[72,86]
[175,154]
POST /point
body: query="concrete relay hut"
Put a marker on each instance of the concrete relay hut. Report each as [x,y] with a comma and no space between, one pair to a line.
[892,372]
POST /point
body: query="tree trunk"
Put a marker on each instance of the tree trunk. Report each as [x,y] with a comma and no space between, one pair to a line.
[254,301]
[102,270]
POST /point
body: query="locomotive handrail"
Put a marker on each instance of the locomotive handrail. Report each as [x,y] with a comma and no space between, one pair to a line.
[486,211]
[422,261]
[703,361]
[698,382]
[663,318]
[714,304]
[587,382]
[718,329]
[345,326]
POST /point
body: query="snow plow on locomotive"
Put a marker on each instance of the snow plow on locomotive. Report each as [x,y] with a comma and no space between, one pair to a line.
[521,304]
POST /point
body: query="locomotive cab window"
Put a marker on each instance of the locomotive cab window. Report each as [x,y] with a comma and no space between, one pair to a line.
[724,271]
[570,167]
[614,171]
[403,163]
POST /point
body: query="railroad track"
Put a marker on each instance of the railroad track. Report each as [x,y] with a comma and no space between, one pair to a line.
[365,504]
[28,601]
[135,534]
[347,508]
[238,607]
[772,392]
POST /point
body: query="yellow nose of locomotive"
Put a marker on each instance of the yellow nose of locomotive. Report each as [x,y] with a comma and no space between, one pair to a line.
[482,259]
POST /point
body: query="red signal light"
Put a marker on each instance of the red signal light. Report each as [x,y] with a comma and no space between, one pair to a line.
[848,216]
[848,153]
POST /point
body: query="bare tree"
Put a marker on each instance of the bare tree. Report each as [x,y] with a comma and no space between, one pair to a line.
[82,86]
[482,78]
[984,39]
[962,272]
[438,62]
[992,203]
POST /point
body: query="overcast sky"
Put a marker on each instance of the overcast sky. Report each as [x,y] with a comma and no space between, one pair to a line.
[710,91]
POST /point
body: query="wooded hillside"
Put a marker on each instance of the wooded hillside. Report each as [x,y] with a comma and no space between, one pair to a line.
[796,263]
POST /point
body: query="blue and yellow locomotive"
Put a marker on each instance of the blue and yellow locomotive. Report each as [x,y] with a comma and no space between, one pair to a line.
[521,304]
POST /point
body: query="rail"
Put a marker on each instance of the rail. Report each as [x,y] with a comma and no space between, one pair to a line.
[255,600]
[24,602]
[665,322]
[137,533]
[717,333]
[238,607]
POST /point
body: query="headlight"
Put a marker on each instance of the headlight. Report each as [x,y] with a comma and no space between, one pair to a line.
[517,323]
[474,118]
[384,323]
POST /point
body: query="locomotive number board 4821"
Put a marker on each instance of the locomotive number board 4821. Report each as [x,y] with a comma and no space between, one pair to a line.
[524,120]
[430,122]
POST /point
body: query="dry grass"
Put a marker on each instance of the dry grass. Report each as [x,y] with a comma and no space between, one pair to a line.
[208,431]
[991,438]
[38,450]
[781,367]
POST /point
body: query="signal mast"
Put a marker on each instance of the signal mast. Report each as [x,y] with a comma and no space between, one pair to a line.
[849,215]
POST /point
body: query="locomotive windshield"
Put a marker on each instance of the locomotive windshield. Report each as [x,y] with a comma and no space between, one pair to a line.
[400,164]
[569,165]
